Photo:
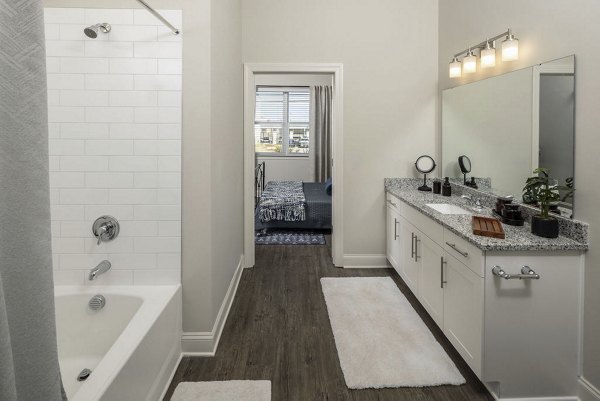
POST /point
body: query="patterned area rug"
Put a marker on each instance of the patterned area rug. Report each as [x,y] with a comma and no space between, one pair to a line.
[290,238]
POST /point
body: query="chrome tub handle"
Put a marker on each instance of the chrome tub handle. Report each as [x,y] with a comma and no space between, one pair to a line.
[526,274]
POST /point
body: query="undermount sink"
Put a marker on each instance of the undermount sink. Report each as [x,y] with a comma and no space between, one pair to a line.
[445,208]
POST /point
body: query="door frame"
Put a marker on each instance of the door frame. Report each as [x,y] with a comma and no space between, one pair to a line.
[250,70]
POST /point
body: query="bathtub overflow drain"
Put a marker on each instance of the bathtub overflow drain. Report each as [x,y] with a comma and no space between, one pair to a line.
[97,302]
[84,374]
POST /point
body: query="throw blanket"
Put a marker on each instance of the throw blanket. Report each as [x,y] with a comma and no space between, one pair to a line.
[283,201]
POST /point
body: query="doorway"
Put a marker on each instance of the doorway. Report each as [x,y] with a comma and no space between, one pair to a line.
[289,141]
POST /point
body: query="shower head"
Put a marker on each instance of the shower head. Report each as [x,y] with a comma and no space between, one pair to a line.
[92,31]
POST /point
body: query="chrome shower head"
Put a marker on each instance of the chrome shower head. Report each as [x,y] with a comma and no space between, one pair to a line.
[92,31]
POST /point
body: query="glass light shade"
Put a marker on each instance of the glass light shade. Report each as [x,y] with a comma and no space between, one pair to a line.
[510,49]
[469,63]
[455,69]
[488,58]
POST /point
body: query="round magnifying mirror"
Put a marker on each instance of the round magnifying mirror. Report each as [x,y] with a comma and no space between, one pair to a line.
[465,164]
[425,165]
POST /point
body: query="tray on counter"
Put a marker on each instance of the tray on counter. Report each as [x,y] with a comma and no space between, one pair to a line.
[488,227]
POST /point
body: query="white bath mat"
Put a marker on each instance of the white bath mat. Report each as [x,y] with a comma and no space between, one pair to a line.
[380,339]
[233,390]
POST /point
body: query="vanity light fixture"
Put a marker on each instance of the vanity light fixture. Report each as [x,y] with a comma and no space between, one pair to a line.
[510,47]
[469,62]
[487,55]
[455,68]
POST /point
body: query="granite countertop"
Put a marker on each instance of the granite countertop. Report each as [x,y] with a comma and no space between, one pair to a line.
[517,238]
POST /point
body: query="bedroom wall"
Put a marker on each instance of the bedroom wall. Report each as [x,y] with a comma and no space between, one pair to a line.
[389,52]
[279,168]
[547,31]
[211,41]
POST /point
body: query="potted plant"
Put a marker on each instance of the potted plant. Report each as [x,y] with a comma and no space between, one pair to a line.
[539,188]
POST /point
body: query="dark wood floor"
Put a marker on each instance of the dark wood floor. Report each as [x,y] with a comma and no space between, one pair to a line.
[278,329]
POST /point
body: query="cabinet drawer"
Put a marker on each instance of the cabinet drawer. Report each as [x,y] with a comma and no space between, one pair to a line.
[465,252]
[393,203]
[425,224]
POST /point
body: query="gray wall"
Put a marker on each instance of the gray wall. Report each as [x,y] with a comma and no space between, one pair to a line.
[226,145]
[389,52]
[547,30]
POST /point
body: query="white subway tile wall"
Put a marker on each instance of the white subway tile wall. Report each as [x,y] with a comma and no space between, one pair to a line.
[114,111]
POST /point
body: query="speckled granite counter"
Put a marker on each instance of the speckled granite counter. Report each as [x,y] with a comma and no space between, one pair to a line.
[517,238]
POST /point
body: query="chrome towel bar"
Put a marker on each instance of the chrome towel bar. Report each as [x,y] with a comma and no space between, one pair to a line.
[526,274]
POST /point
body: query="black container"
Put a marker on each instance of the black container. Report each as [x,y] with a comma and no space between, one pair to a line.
[547,228]
[500,203]
[446,187]
[437,186]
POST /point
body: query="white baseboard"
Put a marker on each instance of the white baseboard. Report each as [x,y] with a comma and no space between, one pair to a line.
[205,343]
[374,261]
[587,391]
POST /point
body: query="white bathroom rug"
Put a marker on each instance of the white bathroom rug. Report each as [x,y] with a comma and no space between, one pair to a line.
[233,390]
[380,339]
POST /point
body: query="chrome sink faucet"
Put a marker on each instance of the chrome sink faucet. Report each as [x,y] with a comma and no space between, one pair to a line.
[475,202]
[102,268]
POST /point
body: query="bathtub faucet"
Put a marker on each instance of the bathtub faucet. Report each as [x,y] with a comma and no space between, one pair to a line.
[102,267]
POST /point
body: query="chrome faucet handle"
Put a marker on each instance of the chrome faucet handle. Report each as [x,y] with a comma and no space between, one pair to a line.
[105,228]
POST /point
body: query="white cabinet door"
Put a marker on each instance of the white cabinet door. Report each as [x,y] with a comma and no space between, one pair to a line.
[410,261]
[393,245]
[431,291]
[463,311]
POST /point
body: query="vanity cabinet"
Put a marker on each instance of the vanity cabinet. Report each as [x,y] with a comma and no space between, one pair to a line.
[463,310]
[410,250]
[393,234]
[431,281]
[447,288]
[508,331]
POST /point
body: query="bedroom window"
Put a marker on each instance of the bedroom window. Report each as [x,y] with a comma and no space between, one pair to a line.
[282,121]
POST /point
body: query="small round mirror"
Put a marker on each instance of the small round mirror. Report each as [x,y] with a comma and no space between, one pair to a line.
[465,164]
[425,164]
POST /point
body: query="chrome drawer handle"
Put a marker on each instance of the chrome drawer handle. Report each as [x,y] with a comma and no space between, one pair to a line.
[526,274]
[389,201]
[442,281]
[395,229]
[453,246]
[417,240]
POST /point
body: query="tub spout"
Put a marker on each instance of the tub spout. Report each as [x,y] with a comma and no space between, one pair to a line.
[102,267]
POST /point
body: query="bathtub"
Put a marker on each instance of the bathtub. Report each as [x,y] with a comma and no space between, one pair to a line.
[132,345]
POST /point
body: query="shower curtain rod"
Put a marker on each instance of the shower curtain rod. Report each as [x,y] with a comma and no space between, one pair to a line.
[160,17]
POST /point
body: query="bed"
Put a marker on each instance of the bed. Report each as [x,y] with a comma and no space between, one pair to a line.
[317,206]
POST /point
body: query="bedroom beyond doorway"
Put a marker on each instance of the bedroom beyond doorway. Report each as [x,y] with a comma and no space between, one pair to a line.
[289,135]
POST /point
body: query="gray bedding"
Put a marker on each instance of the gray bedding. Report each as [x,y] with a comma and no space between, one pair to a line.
[318,210]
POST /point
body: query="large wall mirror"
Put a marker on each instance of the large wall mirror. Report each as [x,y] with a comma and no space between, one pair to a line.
[511,124]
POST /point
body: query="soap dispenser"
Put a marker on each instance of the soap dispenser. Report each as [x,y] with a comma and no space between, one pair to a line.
[446,188]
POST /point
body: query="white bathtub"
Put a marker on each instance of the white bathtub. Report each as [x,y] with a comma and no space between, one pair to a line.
[131,345]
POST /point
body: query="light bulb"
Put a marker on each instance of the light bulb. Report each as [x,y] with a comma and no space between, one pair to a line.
[469,63]
[488,56]
[510,48]
[455,68]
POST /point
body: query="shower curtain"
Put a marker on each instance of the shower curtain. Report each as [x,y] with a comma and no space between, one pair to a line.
[28,355]
[323,101]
